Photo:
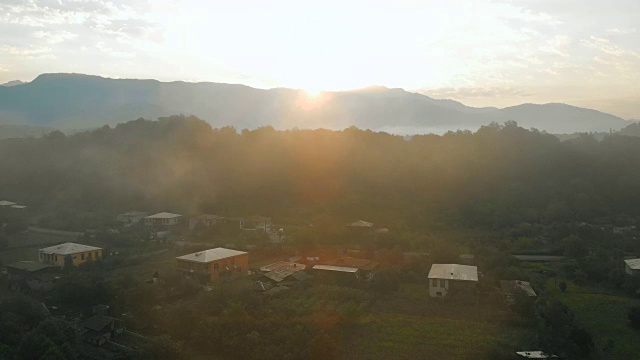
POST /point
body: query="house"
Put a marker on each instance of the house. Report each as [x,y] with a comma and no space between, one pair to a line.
[366,267]
[32,275]
[278,272]
[99,329]
[204,220]
[510,287]
[214,264]
[24,269]
[131,217]
[534,355]
[632,266]
[331,273]
[258,223]
[162,221]
[360,224]
[76,253]
[444,278]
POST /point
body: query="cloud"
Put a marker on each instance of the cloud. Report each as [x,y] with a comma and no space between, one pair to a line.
[3,68]
[622,31]
[54,37]
[28,52]
[557,45]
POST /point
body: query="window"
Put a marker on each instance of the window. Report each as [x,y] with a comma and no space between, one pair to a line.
[442,283]
[95,255]
[434,282]
[81,256]
[215,266]
[56,258]
[439,294]
[233,261]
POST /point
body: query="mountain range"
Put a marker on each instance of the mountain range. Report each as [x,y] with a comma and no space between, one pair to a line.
[86,101]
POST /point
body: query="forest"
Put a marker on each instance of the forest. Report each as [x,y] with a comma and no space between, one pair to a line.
[499,176]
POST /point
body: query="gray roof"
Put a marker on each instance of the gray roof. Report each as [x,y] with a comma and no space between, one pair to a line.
[68,249]
[534,355]
[509,286]
[29,266]
[18,206]
[453,272]
[361,223]
[163,215]
[336,268]
[6,203]
[633,264]
[97,323]
[211,255]
[282,272]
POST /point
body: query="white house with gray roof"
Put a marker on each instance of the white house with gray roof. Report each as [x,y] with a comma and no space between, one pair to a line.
[444,277]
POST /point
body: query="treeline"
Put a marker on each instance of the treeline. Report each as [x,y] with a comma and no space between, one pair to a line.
[499,176]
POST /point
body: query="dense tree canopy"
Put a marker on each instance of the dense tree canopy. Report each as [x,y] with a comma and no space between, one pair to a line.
[500,175]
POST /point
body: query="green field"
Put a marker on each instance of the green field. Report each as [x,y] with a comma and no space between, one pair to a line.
[394,336]
[411,325]
[605,316]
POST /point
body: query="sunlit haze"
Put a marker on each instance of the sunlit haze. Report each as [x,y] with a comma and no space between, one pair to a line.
[482,53]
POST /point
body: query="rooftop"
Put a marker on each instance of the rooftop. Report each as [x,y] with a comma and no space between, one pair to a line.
[211,255]
[29,266]
[362,264]
[509,286]
[360,223]
[68,249]
[18,206]
[336,268]
[163,215]
[634,264]
[280,273]
[454,272]
[97,323]
[6,203]
[534,355]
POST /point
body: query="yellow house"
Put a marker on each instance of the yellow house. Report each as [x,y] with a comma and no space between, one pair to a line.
[78,254]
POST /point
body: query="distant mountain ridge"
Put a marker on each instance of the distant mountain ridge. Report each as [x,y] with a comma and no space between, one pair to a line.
[13,83]
[86,101]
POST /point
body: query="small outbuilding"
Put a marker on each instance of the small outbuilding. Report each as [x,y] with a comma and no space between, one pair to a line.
[632,266]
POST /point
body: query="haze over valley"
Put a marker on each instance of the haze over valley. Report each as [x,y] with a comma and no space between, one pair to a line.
[74,101]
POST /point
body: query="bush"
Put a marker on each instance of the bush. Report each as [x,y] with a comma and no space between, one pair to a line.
[634,317]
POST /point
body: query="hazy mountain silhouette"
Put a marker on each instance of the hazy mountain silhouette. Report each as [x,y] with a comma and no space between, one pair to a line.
[83,101]
[13,83]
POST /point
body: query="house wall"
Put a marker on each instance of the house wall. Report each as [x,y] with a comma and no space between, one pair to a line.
[78,258]
[217,269]
[438,287]
[442,287]
[629,270]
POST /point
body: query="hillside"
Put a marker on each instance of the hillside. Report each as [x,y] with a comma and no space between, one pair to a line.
[82,101]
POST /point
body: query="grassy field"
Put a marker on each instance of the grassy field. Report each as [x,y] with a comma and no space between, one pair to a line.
[411,325]
[396,336]
[604,315]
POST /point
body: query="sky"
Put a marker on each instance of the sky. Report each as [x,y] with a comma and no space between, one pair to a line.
[481,52]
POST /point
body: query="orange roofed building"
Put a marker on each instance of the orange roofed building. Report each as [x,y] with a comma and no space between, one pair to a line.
[214,264]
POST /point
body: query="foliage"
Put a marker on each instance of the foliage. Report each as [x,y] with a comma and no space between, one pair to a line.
[634,317]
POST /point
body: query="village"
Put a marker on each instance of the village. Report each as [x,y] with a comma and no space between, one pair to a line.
[163,261]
